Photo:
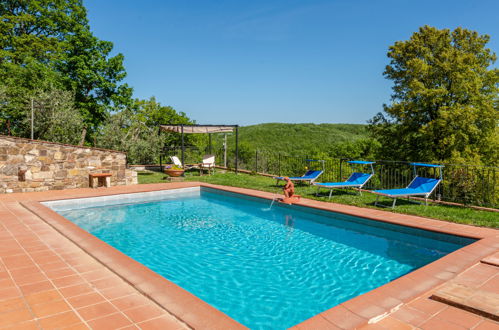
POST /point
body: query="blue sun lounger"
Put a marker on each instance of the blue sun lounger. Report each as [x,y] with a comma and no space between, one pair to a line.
[310,176]
[419,186]
[356,180]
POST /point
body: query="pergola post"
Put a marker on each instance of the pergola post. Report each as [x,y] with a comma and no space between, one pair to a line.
[161,153]
[182,134]
[209,143]
[237,147]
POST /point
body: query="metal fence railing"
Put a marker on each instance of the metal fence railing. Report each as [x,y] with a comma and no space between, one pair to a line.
[466,184]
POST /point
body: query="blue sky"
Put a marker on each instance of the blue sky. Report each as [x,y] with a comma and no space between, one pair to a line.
[249,62]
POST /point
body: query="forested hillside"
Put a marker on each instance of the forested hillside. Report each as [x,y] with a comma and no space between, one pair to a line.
[295,137]
[333,140]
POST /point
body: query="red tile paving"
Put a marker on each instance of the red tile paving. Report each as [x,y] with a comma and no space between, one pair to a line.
[53,274]
[47,282]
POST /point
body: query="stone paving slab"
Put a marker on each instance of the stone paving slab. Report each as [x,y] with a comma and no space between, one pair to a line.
[476,301]
[461,303]
[475,290]
[492,259]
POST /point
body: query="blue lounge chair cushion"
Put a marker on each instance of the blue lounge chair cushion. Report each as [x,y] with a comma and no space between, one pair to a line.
[419,186]
[424,184]
[363,162]
[400,192]
[355,180]
[336,184]
[359,178]
[310,175]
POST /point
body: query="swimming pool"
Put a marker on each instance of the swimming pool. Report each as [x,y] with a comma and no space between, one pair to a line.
[264,267]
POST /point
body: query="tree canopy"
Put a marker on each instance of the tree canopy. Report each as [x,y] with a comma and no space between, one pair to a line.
[135,130]
[47,45]
[445,99]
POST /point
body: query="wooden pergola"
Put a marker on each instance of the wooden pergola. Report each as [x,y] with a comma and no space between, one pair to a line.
[202,129]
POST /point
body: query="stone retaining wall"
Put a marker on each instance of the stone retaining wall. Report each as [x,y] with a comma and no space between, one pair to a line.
[32,165]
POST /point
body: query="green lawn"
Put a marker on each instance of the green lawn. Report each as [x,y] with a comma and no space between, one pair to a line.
[443,212]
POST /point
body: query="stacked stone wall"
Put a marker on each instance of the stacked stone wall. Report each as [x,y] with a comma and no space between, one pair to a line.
[32,165]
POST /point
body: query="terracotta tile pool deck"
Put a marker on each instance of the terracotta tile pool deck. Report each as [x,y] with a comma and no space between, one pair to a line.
[53,274]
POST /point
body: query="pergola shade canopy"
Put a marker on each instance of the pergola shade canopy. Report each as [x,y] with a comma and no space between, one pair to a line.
[198,129]
[201,129]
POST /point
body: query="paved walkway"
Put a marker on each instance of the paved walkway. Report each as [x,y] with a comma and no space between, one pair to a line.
[48,281]
[427,313]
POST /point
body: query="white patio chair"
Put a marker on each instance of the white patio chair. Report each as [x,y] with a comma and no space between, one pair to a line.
[208,164]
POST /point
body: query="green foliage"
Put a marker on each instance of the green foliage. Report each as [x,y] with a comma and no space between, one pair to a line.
[300,138]
[135,130]
[20,84]
[37,29]
[54,117]
[124,132]
[94,76]
[47,45]
[153,114]
[326,140]
[445,99]
[260,146]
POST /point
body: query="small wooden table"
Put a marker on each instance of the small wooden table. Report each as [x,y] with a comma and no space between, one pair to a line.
[99,180]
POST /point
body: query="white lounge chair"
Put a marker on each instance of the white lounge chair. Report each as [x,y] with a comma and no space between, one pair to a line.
[178,163]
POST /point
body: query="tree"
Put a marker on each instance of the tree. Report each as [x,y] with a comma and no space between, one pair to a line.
[135,131]
[152,114]
[444,101]
[125,133]
[55,118]
[93,76]
[54,37]
[19,84]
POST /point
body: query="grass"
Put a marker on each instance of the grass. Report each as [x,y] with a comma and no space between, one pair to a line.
[455,214]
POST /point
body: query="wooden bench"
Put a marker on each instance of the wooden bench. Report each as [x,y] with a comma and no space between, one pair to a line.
[99,180]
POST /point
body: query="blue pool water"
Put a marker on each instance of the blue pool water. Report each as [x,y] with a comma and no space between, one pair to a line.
[266,268]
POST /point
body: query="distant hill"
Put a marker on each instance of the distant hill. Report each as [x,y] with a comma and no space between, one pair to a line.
[300,138]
